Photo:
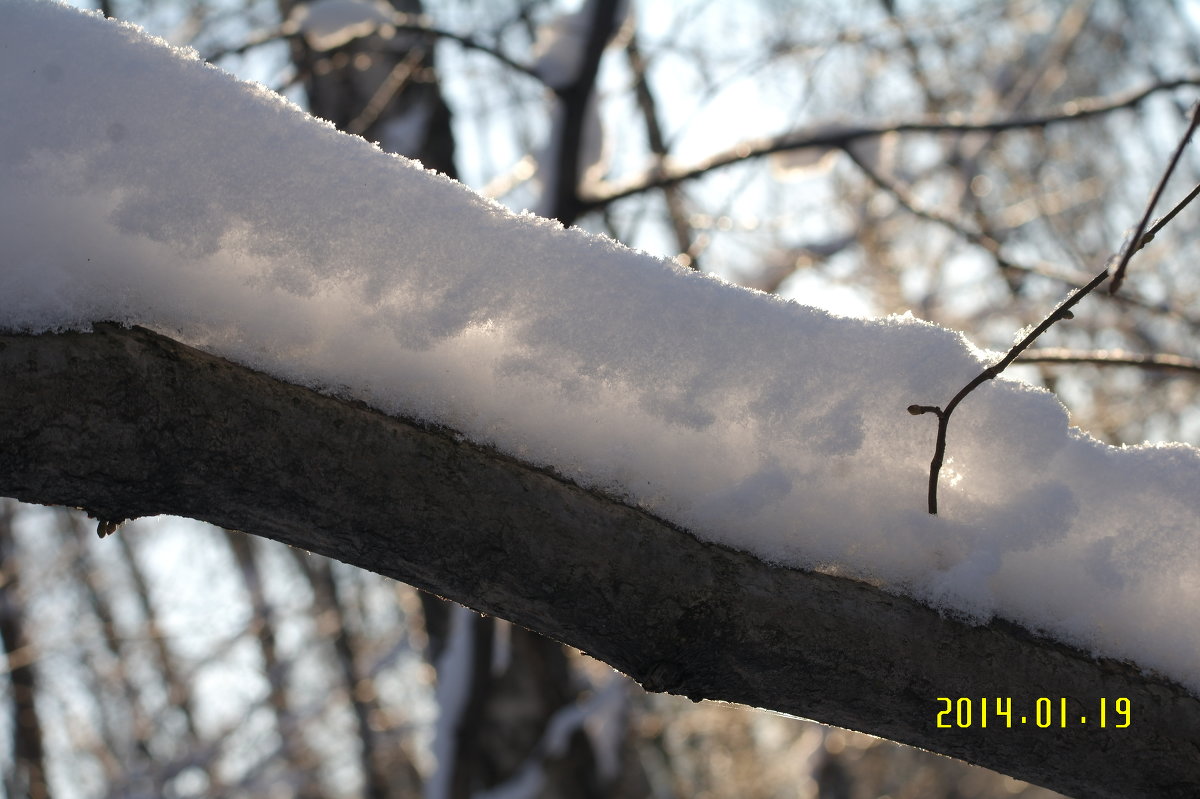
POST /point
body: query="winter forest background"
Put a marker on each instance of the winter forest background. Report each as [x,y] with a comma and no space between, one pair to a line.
[179,660]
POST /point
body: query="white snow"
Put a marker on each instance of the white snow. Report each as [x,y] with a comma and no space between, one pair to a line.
[139,184]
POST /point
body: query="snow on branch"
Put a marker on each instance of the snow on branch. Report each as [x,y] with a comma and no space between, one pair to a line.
[127,423]
[139,184]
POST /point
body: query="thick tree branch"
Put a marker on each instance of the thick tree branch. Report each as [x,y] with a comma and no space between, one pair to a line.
[127,423]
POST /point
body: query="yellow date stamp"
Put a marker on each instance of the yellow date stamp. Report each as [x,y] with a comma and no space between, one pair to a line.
[966,712]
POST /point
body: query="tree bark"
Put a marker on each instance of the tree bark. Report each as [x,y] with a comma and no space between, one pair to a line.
[127,423]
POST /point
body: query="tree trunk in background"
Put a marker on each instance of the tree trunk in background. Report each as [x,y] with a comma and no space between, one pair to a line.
[383,89]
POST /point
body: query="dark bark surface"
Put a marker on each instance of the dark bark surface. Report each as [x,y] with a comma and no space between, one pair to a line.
[126,423]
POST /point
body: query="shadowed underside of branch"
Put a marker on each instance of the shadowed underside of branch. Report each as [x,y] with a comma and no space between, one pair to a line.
[127,423]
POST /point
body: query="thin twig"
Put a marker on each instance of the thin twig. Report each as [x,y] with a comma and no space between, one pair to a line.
[1135,243]
[1063,311]
[1162,222]
[905,198]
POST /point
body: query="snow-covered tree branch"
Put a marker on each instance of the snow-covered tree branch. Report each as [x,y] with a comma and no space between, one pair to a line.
[127,423]
[716,491]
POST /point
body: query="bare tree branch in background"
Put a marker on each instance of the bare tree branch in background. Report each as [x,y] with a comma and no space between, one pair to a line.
[993,247]
[1053,355]
[27,776]
[841,136]
[294,750]
[676,210]
[401,22]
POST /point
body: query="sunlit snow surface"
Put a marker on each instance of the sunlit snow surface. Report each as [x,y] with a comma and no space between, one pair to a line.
[139,184]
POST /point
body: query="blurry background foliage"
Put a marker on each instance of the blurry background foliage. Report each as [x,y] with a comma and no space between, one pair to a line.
[179,660]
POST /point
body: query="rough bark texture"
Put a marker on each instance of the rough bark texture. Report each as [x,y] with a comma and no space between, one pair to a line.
[126,423]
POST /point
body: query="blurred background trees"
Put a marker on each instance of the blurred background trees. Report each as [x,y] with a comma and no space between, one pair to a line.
[830,152]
